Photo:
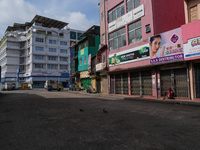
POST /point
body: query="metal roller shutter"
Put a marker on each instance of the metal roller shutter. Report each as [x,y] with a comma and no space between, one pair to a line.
[112,84]
[180,82]
[146,83]
[197,80]
[105,84]
[118,85]
[135,83]
[125,83]
[165,77]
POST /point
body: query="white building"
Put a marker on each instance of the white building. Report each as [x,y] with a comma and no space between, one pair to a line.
[40,49]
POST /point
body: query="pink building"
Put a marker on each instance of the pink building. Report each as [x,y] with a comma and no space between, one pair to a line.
[191,42]
[126,28]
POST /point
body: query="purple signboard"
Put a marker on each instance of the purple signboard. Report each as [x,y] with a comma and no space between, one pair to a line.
[166,47]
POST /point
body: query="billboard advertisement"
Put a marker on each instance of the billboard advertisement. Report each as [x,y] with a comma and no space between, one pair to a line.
[130,55]
[166,47]
[127,18]
[192,48]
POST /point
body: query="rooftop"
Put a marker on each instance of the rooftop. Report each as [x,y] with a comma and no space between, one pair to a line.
[46,22]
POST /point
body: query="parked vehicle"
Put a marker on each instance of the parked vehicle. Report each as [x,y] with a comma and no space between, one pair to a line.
[53,85]
[9,86]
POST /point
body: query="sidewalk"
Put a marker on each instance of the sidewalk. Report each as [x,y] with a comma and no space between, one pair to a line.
[125,97]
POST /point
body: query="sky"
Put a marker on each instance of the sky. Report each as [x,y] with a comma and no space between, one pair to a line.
[80,14]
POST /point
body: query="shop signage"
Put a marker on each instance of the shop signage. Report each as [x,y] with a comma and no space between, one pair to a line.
[82,52]
[65,74]
[166,47]
[100,66]
[130,55]
[127,18]
[98,57]
[89,63]
[192,48]
[84,74]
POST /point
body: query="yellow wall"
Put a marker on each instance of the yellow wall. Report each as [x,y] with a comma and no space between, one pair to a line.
[94,83]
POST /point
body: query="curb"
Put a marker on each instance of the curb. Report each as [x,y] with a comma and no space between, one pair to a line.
[166,101]
[179,102]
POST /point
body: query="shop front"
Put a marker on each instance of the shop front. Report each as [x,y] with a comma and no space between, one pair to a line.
[141,83]
[102,80]
[197,80]
[175,78]
[85,79]
[131,80]
[168,58]
[191,45]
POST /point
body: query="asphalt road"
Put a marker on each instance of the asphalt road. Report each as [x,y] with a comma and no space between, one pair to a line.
[41,120]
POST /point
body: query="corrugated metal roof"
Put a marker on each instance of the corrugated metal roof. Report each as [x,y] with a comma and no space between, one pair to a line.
[48,22]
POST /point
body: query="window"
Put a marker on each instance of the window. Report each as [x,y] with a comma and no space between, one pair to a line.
[80,61]
[52,66]
[193,13]
[61,34]
[103,38]
[117,39]
[63,58]
[63,67]
[53,50]
[104,58]
[52,58]
[72,35]
[79,38]
[40,66]
[135,32]
[116,12]
[39,57]
[102,16]
[49,33]
[63,51]
[85,61]
[52,41]
[131,4]
[83,45]
[39,40]
[63,43]
[39,48]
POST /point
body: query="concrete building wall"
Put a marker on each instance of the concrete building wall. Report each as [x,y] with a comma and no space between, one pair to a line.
[18,50]
[102,22]
[167,15]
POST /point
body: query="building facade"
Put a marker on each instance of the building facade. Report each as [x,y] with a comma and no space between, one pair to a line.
[129,27]
[39,50]
[87,49]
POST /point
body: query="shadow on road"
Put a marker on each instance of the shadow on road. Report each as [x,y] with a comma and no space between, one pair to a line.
[31,121]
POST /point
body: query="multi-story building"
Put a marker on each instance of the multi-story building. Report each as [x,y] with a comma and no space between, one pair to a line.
[84,62]
[38,50]
[191,45]
[127,31]
[101,67]
[73,63]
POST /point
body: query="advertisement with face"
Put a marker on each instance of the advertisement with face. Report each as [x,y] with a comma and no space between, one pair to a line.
[166,47]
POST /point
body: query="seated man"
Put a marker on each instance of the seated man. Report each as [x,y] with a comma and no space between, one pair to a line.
[169,94]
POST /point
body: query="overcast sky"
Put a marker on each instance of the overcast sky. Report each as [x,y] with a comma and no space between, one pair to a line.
[80,14]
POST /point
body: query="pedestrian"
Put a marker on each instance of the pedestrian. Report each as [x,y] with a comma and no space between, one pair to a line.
[169,94]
